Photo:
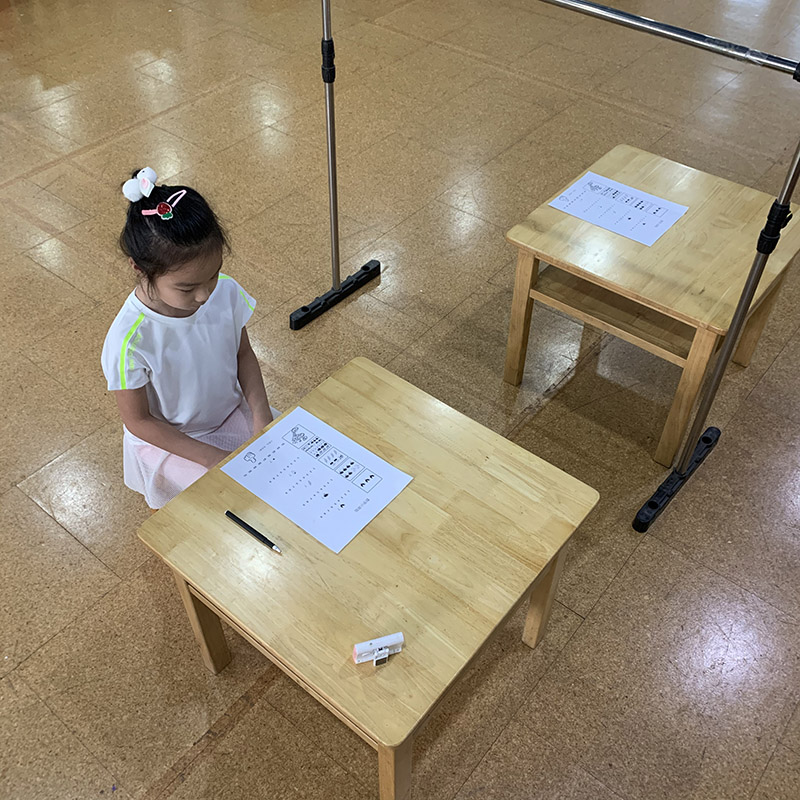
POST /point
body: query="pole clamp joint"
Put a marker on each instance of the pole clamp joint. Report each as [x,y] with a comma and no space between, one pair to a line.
[777,219]
[328,69]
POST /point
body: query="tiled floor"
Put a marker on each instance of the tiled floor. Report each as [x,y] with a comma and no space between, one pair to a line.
[671,668]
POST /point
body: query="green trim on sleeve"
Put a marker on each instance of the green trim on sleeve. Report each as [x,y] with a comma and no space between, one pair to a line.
[241,291]
[124,352]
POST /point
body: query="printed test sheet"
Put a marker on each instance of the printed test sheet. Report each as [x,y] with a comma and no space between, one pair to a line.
[320,479]
[619,208]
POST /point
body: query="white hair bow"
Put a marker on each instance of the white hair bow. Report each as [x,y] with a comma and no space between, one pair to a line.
[140,186]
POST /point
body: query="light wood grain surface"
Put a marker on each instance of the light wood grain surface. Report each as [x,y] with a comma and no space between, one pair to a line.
[696,271]
[445,562]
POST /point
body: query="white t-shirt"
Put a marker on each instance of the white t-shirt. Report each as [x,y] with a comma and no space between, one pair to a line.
[188,364]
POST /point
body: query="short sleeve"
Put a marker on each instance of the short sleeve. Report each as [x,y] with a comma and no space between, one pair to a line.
[243,303]
[122,365]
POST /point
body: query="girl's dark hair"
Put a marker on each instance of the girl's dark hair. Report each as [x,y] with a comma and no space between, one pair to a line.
[158,245]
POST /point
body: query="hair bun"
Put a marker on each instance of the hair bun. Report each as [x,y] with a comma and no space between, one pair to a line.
[140,185]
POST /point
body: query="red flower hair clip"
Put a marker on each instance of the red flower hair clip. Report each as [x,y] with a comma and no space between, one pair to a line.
[164,210]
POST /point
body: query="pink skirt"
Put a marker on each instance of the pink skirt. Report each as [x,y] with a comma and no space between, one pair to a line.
[160,475]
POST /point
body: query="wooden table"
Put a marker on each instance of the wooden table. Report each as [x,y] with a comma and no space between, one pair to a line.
[674,299]
[480,529]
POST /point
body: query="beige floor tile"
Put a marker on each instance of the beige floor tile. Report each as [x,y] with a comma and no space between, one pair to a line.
[697,149]
[19,230]
[78,187]
[297,26]
[255,173]
[503,35]
[36,303]
[481,122]
[554,64]
[47,579]
[591,38]
[26,89]
[724,117]
[39,207]
[290,241]
[431,76]
[679,683]
[521,765]
[39,755]
[791,736]
[579,135]
[392,180]
[428,20]
[81,337]
[474,336]
[777,389]
[226,56]
[781,778]
[433,379]
[689,85]
[43,418]
[298,74]
[266,278]
[434,260]
[113,162]
[367,47]
[228,114]
[97,273]
[739,515]
[21,123]
[83,491]
[127,678]
[265,755]
[20,154]
[461,731]
[239,14]
[107,105]
[759,27]
[504,196]
[306,357]
[364,117]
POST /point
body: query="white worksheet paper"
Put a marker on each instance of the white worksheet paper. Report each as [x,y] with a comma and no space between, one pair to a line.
[619,208]
[320,479]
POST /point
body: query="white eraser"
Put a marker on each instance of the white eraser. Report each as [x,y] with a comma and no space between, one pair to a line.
[378,650]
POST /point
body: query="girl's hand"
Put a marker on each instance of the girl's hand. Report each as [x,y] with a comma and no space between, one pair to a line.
[261,419]
[213,457]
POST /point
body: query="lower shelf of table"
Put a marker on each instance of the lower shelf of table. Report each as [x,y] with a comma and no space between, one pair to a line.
[655,332]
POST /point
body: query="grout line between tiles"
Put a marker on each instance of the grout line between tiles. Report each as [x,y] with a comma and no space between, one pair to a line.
[205,746]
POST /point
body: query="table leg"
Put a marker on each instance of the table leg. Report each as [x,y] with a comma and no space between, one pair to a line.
[755,325]
[541,602]
[521,309]
[207,629]
[703,346]
[394,771]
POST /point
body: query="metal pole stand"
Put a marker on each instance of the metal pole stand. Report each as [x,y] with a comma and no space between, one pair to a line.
[697,446]
[339,289]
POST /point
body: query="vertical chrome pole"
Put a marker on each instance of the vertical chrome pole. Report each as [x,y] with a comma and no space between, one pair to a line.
[767,242]
[328,75]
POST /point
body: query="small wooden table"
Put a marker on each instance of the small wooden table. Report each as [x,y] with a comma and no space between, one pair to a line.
[674,299]
[480,529]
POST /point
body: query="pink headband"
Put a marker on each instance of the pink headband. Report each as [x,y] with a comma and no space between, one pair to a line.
[164,210]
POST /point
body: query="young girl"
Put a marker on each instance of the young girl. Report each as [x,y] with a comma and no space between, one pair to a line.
[187,382]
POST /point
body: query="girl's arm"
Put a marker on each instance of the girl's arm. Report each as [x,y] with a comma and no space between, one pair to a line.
[252,383]
[135,412]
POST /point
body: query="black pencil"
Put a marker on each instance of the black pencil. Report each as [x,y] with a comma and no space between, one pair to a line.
[252,531]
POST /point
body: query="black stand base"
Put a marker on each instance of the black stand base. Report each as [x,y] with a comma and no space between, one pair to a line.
[319,305]
[673,484]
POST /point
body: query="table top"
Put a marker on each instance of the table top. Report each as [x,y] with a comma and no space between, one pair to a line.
[696,271]
[445,562]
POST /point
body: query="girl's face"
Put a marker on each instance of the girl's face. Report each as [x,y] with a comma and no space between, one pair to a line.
[180,292]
